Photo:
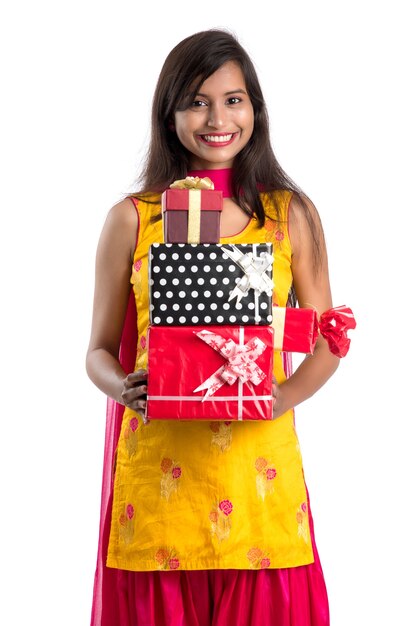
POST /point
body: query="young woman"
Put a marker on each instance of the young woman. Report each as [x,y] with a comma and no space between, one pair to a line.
[231,541]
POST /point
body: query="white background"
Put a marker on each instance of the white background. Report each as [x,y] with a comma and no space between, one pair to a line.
[339,79]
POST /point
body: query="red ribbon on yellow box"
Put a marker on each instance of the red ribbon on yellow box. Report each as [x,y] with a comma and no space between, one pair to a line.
[297,330]
[240,362]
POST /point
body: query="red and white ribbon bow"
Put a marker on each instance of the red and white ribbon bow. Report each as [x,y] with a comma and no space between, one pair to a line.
[239,362]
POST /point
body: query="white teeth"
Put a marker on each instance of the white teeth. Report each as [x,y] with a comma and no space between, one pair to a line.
[217,138]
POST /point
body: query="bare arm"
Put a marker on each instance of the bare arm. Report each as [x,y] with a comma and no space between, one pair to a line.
[313,290]
[112,286]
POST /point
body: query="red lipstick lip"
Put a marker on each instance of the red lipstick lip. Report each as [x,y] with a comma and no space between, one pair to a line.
[217,144]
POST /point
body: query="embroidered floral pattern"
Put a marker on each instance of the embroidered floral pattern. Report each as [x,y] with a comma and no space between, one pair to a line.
[266,474]
[166,559]
[258,559]
[273,232]
[142,346]
[126,524]
[269,225]
[171,472]
[136,277]
[303,522]
[220,521]
[222,435]
[130,435]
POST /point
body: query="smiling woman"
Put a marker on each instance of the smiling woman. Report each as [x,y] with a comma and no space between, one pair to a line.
[206,523]
[219,121]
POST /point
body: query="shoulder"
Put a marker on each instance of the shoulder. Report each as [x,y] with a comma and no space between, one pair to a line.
[121,227]
[304,223]
[123,214]
[301,209]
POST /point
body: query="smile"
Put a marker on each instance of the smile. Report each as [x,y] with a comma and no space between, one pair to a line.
[218,140]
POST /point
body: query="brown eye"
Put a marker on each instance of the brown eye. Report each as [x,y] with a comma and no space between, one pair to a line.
[198,103]
[234,100]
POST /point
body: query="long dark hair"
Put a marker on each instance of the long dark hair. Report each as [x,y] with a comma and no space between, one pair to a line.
[187,66]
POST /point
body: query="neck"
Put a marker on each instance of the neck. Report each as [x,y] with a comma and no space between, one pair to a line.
[222,179]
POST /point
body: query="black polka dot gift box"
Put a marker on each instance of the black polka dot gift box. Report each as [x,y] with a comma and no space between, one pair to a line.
[200,284]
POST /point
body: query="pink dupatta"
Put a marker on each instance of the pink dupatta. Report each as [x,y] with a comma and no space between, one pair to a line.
[105,580]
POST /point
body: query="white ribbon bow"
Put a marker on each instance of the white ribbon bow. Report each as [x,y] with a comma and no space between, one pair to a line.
[255,276]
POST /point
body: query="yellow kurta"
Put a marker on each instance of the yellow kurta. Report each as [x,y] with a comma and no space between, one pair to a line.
[209,495]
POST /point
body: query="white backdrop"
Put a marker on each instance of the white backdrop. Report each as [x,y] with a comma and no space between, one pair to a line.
[340,84]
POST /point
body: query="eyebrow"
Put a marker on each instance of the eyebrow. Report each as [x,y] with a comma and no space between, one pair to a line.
[227,93]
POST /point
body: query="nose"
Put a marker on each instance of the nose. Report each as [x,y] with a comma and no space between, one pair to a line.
[217,115]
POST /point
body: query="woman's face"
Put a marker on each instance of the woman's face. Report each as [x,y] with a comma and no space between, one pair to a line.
[219,122]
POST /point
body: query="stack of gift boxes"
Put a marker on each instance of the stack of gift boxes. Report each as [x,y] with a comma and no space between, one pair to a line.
[213,329]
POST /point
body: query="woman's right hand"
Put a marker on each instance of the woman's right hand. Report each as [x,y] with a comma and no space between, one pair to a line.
[134,392]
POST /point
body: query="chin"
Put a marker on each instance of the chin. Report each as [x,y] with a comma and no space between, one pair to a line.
[212,161]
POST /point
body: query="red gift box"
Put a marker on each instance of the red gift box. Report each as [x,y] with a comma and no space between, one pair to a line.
[295,330]
[210,373]
[191,215]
